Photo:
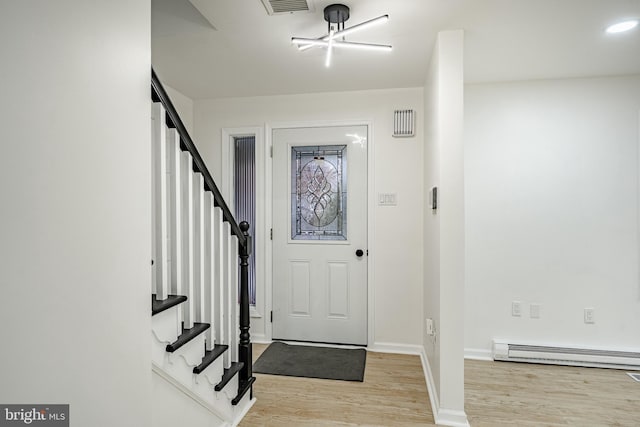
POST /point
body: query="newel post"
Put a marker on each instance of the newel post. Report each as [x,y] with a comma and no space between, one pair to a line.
[244,347]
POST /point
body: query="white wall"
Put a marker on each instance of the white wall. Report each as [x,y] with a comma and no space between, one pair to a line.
[172,407]
[551,172]
[431,177]
[397,277]
[75,216]
[444,234]
[184,106]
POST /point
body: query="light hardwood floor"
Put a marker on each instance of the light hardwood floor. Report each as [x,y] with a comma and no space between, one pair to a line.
[506,394]
[497,394]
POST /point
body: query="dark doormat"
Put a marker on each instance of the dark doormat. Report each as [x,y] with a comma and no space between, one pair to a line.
[312,362]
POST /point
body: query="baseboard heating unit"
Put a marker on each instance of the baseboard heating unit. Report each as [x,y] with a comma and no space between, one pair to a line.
[509,352]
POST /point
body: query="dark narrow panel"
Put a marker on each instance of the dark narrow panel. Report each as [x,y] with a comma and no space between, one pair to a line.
[245,196]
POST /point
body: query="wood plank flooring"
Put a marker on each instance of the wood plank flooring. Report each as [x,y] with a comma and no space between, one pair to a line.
[497,394]
[501,394]
[393,393]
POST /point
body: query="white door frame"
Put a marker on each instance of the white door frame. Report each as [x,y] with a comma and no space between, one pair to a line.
[268,292]
[259,229]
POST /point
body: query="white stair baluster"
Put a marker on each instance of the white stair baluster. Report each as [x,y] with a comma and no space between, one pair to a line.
[175,216]
[235,308]
[175,222]
[168,257]
[154,275]
[209,262]
[198,246]
[218,276]
[160,223]
[187,239]
[226,289]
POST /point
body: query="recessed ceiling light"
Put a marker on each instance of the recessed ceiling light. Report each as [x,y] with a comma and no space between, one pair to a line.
[621,27]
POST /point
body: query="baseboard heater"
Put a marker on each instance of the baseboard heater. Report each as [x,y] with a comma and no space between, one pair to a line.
[508,352]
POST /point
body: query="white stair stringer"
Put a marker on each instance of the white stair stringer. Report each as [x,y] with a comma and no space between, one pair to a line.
[183,401]
[178,370]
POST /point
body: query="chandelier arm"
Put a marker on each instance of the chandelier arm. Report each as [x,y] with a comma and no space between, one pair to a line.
[350,30]
[327,62]
[305,46]
[340,44]
[361,26]
[366,46]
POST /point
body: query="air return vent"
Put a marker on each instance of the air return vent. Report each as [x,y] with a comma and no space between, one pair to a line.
[287,6]
[402,123]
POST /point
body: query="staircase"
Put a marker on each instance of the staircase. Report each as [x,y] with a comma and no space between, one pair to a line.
[201,355]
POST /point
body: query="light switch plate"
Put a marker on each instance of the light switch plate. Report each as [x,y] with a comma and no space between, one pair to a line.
[387,199]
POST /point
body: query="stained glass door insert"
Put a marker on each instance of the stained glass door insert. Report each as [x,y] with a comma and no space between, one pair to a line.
[319,192]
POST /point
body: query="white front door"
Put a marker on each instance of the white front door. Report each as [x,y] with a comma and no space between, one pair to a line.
[320,234]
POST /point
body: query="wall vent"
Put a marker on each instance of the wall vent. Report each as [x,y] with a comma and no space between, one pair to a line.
[403,123]
[509,352]
[275,7]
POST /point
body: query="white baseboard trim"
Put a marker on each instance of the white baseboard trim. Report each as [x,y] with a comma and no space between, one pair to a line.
[431,384]
[390,347]
[448,417]
[244,412]
[477,354]
[442,416]
[376,347]
[260,339]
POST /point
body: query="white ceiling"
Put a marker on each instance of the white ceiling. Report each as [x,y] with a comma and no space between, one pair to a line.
[227,48]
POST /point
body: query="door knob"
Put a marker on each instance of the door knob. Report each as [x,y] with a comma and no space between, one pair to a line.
[359,252]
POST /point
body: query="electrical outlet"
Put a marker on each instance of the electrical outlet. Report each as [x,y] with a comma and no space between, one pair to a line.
[589,315]
[516,308]
[534,311]
[429,324]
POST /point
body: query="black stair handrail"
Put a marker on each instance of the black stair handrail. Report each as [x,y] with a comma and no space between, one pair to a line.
[245,348]
[158,94]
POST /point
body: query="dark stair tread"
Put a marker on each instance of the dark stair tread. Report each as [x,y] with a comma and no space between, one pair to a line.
[187,335]
[209,357]
[228,374]
[243,387]
[158,306]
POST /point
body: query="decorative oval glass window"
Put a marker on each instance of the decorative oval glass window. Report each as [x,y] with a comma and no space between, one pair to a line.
[319,195]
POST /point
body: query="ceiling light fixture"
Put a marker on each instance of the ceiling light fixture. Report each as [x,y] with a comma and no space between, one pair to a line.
[336,15]
[621,27]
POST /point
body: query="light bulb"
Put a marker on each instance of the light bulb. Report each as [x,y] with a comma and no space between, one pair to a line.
[621,27]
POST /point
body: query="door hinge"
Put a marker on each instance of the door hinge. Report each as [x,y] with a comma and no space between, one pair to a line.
[271,316]
[271,234]
[271,151]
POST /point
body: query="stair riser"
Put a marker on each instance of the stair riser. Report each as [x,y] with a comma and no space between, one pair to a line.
[166,325]
[192,352]
[213,373]
[230,390]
